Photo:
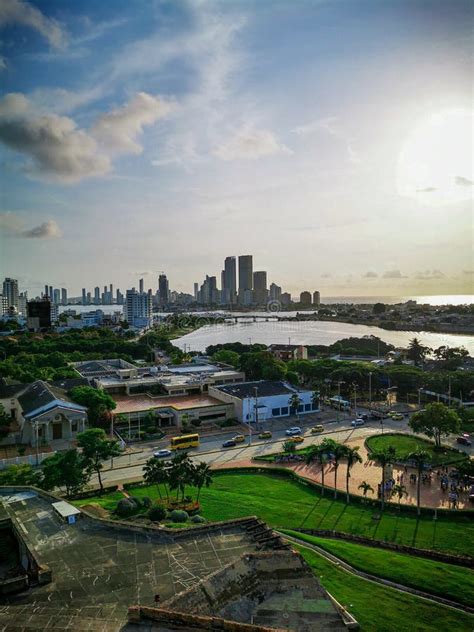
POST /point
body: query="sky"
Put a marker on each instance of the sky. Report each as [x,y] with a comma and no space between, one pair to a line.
[331,139]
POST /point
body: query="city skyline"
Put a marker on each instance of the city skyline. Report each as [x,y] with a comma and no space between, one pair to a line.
[177,132]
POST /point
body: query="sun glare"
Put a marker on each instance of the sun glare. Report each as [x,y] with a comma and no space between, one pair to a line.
[436,160]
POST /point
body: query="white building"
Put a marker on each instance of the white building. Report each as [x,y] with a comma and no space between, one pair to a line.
[269,399]
[137,309]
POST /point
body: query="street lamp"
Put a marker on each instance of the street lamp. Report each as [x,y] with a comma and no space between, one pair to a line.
[339,397]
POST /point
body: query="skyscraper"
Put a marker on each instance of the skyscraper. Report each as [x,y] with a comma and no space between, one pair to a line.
[305,298]
[245,279]
[260,292]
[84,296]
[316,299]
[163,289]
[275,292]
[196,291]
[137,309]
[63,296]
[229,281]
[97,295]
[56,296]
[10,290]
[140,285]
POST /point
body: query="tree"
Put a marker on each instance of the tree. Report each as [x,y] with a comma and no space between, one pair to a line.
[97,402]
[289,446]
[417,352]
[181,473]
[294,403]
[20,475]
[4,423]
[315,398]
[378,308]
[435,421]
[155,473]
[65,469]
[185,421]
[227,357]
[339,453]
[96,448]
[385,456]
[202,477]
[400,491]
[421,458]
[366,487]
[353,457]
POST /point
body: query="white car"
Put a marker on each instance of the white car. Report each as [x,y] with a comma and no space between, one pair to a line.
[161,454]
[291,432]
[357,422]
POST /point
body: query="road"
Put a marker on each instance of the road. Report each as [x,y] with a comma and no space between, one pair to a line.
[130,467]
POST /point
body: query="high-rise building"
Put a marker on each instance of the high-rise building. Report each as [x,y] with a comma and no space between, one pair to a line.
[3,305]
[97,295]
[63,296]
[196,291]
[22,301]
[46,291]
[140,285]
[229,282]
[209,293]
[84,296]
[163,290]
[137,308]
[88,298]
[10,290]
[119,297]
[316,299]
[260,292]
[285,299]
[50,292]
[275,292]
[40,314]
[245,279]
[56,296]
[305,298]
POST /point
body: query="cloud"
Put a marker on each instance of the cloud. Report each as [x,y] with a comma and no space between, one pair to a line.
[14,226]
[56,149]
[370,275]
[329,126]
[393,274]
[463,182]
[429,275]
[250,145]
[426,190]
[118,130]
[23,13]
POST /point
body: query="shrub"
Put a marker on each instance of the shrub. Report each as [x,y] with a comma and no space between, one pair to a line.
[179,515]
[125,507]
[146,502]
[197,518]
[157,513]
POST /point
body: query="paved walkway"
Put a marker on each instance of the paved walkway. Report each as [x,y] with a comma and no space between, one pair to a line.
[431,494]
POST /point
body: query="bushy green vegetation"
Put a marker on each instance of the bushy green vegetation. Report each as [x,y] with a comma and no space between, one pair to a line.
[378,608]
[404,444]
[445,580]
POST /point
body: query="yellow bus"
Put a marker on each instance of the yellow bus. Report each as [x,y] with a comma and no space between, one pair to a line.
[184,441]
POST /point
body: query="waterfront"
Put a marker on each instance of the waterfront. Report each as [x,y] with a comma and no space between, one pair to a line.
[310,333]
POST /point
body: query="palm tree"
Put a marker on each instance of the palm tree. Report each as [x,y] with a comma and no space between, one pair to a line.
[421,458]
[317,452]
[366,487]
[417,352]
[181,473]
[155,473]
[325,448]
[383,457]
[338,454]
[400,491]
[202,477]
[353,457]
[315,397]
[294,402]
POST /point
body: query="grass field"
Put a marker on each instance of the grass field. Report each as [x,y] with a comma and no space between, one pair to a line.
[404,444]
[284,503]
[446,580]
[377,608]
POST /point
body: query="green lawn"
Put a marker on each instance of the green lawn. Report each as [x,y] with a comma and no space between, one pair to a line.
[404,444]
[446,580]
[377,608]
[284,503]
[107,501]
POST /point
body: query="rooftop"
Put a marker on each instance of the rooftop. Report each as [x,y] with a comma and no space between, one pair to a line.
[266,388]
[41,396]
[137,403]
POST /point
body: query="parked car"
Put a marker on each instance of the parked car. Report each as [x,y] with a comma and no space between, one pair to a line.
[397,417]
[293,431]
[230,443]
[357,422]
[317,429]
[296,439]
[464,440]
[238,438]
[161,454]
[265,435]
